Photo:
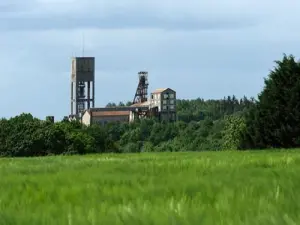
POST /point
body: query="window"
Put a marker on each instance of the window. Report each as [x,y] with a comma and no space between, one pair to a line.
[172,95]
[171,106]
[151,96]
[164,102]
[166,96]
[172,102]
[164,107]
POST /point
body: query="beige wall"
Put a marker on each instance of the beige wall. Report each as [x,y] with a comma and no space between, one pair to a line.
[86,119]
[155,100]
[106,119]
[132,116]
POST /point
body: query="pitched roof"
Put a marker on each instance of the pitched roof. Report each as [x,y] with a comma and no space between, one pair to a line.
[111,113]
[159,90]
[140,104]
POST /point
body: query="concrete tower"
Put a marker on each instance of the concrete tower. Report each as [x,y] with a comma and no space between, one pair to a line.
[82,84]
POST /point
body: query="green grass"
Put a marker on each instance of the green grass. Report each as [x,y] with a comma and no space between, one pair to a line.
[182,188]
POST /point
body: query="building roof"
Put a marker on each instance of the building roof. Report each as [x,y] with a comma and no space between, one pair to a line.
[83,57]
[140,104]
[117,111]
[110,113]
[110,109]
[160,90]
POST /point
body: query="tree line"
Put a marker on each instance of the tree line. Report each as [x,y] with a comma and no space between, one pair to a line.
[270,121]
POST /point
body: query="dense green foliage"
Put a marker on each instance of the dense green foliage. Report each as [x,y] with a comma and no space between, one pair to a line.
[182,188]
[273,121]
[196,130]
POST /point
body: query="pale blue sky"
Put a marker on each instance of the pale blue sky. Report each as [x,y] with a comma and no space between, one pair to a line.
[200,48]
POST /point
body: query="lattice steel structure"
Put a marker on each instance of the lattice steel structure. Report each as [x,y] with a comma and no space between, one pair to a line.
[141,94]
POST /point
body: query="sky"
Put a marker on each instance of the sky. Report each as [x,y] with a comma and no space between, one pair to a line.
[199,48]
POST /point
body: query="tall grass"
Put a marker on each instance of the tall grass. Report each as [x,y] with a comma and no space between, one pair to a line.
[181,188]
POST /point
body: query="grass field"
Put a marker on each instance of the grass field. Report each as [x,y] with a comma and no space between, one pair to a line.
[182,188]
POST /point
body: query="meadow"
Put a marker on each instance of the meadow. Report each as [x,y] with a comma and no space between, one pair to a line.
[246,188]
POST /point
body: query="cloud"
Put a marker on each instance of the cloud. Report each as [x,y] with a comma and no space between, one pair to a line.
[10,8]
[126,20]
[200,48]
[72,14]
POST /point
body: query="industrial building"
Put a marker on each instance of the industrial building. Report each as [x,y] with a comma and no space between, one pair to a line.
[161,105]
[165,101]
[102,116]
[82,85]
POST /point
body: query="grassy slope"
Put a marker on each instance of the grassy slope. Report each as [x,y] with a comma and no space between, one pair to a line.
[182,188]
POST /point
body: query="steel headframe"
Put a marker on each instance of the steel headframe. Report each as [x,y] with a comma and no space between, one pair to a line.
[141,94]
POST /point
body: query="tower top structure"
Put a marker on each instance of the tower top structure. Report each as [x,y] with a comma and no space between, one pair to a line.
[141,94]
[82,84]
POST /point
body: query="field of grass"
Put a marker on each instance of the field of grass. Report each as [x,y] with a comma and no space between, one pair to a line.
[166,188]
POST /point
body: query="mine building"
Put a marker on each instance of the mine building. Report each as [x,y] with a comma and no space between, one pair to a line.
[161,105]
[104,115]
[164,99]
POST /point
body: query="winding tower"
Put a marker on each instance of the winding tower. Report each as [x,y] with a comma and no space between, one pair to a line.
[141,94]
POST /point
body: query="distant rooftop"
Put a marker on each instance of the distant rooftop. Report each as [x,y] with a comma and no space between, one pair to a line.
[110,113]
[140,104]
[159,90]
[83,57]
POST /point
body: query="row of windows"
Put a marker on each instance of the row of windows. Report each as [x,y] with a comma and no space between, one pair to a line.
[172,102]
[170,96]
[166,96]
[164,102]
[166,107]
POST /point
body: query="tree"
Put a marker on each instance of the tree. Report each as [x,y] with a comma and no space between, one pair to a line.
[111,104]
[99,135]
[121,104]
[275,121]
[199,128]
[232,134]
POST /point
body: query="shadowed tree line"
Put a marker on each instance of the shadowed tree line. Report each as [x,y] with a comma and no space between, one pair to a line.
[271,121]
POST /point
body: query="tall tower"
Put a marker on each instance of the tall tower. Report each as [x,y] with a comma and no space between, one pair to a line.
[82,84]
[142,89]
